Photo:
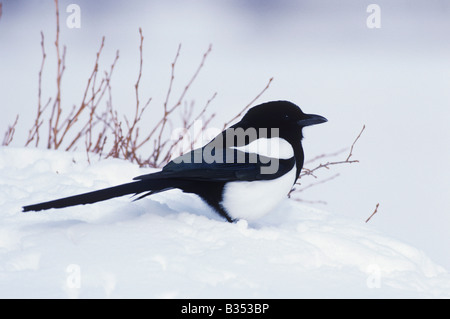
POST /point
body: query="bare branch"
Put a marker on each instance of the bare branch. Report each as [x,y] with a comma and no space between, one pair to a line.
[314,184]
[157,157]
[33,134]
[188,125]
[325,155]
[85,102]
[57,108]
[249,104]
[9,134]
[306,171]
[354,142]
[311,172]
[374,212]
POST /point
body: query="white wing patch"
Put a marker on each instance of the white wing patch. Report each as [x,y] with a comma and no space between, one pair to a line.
[275,147]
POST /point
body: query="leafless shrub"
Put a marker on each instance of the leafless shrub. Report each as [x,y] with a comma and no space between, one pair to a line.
[89,124]
[311,172]
[348,160]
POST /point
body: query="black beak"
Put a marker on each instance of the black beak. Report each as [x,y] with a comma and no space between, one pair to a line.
[311,119]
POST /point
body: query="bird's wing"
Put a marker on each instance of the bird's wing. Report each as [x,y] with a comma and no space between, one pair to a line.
[230,165]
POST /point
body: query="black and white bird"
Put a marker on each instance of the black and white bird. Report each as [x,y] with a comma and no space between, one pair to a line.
[243,173]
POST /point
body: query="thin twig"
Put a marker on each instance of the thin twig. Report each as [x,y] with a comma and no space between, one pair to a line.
[354,142]
[33,134]
[311,172]
[9,134]
[374,212]
[187,126]
[249,104]
[168,111]
[72,119]
[325,155]
[157,158]
[130,142]
[316,183]
[306,171]
[57,108]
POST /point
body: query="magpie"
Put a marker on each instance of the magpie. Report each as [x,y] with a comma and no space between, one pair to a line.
[243,173]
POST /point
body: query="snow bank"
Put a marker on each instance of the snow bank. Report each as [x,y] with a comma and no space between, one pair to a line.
[173,246]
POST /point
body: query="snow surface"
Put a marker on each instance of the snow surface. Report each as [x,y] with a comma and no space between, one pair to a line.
[171,245]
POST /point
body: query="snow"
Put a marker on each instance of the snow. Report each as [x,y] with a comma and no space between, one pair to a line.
[171,245]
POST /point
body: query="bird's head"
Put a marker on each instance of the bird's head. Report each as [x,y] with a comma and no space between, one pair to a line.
[283,115]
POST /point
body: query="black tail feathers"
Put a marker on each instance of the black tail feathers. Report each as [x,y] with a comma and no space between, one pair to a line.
[151,186]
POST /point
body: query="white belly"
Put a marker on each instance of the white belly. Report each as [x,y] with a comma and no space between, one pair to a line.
[252,200]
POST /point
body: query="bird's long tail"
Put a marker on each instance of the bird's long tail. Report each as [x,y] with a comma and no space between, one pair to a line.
[150,186]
